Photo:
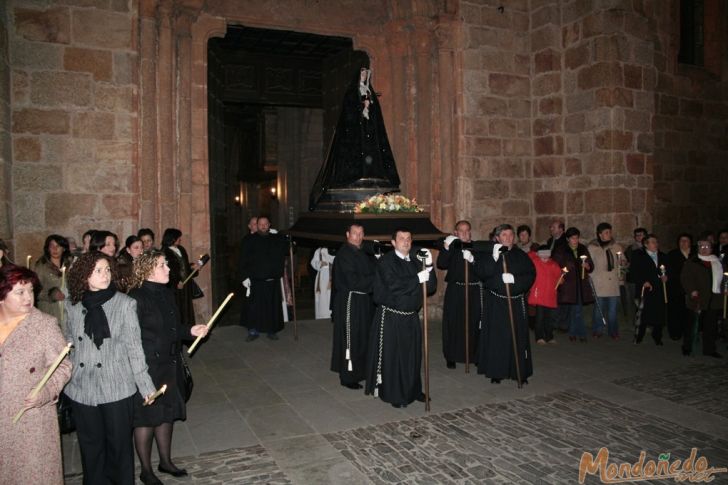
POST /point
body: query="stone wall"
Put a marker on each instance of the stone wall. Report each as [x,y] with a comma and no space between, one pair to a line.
[690,128]
[5,137]
[73,119]
[496,146]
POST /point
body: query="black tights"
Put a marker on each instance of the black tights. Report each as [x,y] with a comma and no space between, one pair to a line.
[143,443]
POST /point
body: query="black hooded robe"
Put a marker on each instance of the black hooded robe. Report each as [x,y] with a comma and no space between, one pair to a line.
[352,311]
[495,348]
[395,345]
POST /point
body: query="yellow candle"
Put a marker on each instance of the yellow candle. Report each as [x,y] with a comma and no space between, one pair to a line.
[583,269]
[209,324]
[47,376]
[27,261]
[664,286]
[564,270]
[156,394]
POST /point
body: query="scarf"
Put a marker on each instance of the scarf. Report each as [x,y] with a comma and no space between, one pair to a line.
[95,324]
[610,257]
[717,270]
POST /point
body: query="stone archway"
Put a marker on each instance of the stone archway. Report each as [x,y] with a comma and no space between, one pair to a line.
[417,66]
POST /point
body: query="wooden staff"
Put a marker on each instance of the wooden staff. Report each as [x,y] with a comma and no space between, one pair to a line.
[664,285]
[156,394]
[564,270]
[293,291]
[583,269]
[47,376]
[425,342]
[467,317]
[513,325]
[209,324]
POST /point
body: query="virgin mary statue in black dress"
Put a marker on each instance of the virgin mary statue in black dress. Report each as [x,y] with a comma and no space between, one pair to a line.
[360,161]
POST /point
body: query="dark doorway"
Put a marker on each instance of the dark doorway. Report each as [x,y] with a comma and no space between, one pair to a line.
[274,97]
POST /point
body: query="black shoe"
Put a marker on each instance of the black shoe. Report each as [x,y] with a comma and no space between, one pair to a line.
[150,479]
[421,397]
[273,336]
[658,343]
[714,354]
[251,337]
[686,352]
[354,385]
[399,406]
[451,364]
[495,381]
[177,472]
[524,381]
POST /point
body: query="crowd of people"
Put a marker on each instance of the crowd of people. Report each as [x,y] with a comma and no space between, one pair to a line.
[126,312]
[498,288]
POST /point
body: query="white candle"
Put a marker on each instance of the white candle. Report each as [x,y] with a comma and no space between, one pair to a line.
[209,324]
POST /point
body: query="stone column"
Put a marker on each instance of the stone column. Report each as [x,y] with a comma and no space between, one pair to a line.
[147,149]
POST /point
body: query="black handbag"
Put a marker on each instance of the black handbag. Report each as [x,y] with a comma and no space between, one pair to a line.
[66,424]
[196,290]
[189,383]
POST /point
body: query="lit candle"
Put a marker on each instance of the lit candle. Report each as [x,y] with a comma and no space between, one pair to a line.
[664,286]
[209,324]
[27,261]
[583,269]
[47,376]
[564,270]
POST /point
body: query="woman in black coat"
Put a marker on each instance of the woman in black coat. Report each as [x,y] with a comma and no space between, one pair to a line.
[648,278]
[179,269]
[575,290]
[162,333]
[678,316]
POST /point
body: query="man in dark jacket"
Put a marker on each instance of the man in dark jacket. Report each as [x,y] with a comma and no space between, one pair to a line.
[705,284]
[649,273]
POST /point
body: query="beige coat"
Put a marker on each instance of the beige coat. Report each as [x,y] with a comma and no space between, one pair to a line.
[30,450]
[50,280]
[606,282]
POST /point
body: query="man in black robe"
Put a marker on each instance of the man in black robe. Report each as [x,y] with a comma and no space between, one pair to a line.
[353,308]
[395,348]
[495,348]
[453,313]
[262,257]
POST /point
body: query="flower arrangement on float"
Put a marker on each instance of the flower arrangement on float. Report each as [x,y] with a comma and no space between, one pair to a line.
[383,203]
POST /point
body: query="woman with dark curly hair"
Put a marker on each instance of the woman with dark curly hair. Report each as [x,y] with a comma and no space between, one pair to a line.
[56,255]
[29,343]
[162,335]
[108,368]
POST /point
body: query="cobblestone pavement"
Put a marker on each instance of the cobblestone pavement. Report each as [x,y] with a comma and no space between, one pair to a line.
[534,440]
[273,412]
[687,386]
[251,465]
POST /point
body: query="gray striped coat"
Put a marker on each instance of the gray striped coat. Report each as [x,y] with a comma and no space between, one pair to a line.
[114,371]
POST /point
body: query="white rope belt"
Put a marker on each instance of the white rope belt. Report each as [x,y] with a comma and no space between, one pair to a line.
[385,309]
[350,367]
[514,297]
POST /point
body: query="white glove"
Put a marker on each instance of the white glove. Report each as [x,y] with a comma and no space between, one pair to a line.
[449,240]
[246,284]
[273,231]
[428,258]
[423,276]
[468,256]
[508,278]
[496,251]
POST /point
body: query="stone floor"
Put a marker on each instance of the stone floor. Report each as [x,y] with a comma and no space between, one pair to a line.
[272,412]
